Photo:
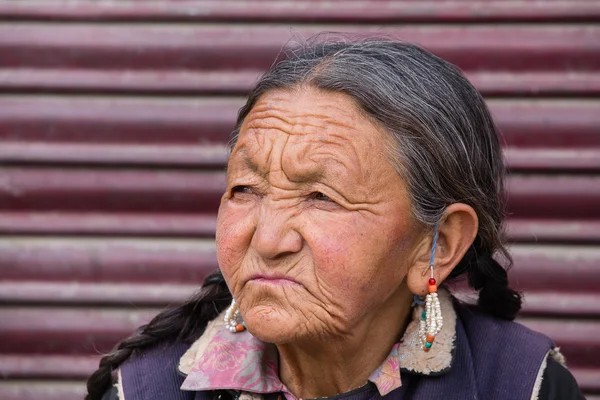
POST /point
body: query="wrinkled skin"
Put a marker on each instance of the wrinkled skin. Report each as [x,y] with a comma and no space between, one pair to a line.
[312,200]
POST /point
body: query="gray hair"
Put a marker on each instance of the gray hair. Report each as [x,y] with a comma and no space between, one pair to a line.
[444,142]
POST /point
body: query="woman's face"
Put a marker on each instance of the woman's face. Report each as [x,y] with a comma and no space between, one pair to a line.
[314,232]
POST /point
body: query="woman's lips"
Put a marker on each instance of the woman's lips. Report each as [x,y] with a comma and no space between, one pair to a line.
[273,280]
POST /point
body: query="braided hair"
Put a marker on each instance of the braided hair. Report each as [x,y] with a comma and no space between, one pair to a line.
[184,323]
[444,144]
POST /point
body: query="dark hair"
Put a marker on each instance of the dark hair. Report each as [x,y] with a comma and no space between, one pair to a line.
[445,145]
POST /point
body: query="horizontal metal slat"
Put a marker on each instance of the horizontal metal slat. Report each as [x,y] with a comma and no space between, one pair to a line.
[37,366]
[548,230]
[553,160]
[111,224]
[557,124]
[118,190]
[304,11]
[105,119]
[65,330]
[554,197]
[183,191]
[78,294]
[107,259]
[561,304]
[538,83]
[162,155]
[237,82]
[157,46]
[555,268]
[41,389]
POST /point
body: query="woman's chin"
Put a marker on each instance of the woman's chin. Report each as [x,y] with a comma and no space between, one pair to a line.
[272,326]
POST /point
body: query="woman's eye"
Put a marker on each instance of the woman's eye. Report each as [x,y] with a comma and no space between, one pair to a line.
[241,189]
[320,196]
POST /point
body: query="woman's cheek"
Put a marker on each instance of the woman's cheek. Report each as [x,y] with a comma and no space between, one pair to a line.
[347,260]
[334,267]
[233,234]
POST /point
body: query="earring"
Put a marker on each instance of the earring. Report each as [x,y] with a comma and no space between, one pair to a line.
[233,319]
[431,318]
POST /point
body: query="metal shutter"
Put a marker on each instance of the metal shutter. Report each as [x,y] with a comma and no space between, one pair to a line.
[113,121]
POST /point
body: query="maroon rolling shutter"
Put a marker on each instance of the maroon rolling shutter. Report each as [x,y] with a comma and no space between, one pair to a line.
[113,122]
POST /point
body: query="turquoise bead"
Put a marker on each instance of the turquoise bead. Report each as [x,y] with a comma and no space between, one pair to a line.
[424,315]
[428,345]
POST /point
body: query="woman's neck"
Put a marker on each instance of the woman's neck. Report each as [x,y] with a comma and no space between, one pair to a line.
[324,369]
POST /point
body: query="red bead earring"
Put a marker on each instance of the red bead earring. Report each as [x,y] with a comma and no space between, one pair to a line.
[431,318]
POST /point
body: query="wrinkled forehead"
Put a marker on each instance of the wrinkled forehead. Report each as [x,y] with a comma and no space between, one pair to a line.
[309,124]
[301,112]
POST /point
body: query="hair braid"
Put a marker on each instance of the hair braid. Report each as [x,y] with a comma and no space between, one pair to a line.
[184,323]
[488,277]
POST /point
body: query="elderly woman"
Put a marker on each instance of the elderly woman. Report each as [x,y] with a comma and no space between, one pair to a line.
[363,176]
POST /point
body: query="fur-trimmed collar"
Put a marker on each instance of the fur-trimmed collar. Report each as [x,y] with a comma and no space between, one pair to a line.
[220,359]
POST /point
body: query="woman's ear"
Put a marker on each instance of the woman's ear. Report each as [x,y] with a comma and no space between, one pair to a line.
[457,231]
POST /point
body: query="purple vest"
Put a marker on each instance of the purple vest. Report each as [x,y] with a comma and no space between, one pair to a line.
[493,359]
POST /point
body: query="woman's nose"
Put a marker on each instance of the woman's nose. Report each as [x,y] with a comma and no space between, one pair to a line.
[274,235]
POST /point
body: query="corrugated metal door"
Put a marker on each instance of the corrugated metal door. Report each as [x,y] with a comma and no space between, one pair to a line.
[113,120]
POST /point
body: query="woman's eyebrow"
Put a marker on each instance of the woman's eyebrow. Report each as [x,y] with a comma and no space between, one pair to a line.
[308,175]
[301,175]
[248,163]
[242,155]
